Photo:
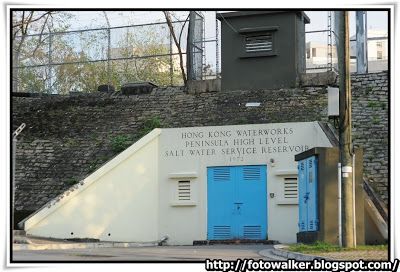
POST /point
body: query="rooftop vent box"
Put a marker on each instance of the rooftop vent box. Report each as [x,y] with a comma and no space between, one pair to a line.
[137,88]
[262,49]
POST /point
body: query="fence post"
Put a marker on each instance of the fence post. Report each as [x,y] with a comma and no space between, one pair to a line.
[50,68]
[362,43]
[14,156]
[14,147]
[216,46]
[108,51]
[171,67]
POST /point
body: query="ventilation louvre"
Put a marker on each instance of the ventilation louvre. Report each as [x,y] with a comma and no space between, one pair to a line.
[222,232]
[222,174]
[251,173]
[184,190]
[259,43]
[290,188]
[252,232]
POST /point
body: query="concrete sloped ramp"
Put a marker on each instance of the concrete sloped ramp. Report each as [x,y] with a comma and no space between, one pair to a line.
[376,217]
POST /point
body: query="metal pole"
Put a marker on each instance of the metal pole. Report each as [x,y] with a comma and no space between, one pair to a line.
[50,70]
[345,140]
[171,68]
[216,45]
[340,204]
[14,148]
[14,160]
[354,202]
[330,40]
[361,43]
[190,47]
[366,40]
[108,51]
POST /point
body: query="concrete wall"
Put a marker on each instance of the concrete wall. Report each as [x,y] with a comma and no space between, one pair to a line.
[266,72]
[69,137]
[183,224]
[118,202]
[133,197]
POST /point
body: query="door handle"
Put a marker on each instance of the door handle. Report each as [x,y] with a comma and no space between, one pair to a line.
[237,204]
[306,197]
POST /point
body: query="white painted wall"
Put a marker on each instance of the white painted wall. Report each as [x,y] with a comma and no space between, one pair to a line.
[133,197]
[121,198]
[183,224]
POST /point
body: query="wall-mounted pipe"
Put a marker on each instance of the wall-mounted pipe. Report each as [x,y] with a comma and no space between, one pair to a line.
[354,202]
[340,203]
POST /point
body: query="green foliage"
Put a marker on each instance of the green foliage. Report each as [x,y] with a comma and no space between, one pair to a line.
[368,90]
[375,120]
[149,125]
[71,181]
[326,247]
[94,164]
[86,77]
[120,143]
[70,142]
[241,121]
[373,104]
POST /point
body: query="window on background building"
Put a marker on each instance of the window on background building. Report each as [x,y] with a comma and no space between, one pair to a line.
[308,53]
[379,44]
[314,52]
[379,55]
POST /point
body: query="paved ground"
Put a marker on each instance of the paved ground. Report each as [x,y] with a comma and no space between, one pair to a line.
[164,253]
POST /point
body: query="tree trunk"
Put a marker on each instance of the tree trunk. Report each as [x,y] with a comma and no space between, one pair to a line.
[171,29]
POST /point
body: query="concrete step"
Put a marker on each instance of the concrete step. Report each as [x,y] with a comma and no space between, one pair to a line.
[233,241]
[19,233]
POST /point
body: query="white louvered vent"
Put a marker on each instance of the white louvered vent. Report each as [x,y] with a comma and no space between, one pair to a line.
[259,43]
[290,188]
[184,190]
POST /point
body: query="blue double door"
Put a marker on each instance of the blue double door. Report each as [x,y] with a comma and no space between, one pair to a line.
[237,202]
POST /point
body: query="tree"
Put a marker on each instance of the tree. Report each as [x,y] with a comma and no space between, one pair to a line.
[177,44]
[28,49]
[140,54]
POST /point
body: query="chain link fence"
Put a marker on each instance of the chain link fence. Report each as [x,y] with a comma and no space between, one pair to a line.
[81,60]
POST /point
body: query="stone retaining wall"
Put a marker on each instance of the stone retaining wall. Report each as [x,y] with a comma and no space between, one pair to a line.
[68,137]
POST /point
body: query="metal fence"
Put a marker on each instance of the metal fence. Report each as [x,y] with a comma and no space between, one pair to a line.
[81,60]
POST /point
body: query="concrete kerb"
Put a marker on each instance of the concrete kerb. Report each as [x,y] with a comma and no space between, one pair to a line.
[279,250]
[80,245]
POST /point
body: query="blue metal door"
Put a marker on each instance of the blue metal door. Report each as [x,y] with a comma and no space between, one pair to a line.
[221,193]
[312,211]
[237,202]
[303,197]
[308,195]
